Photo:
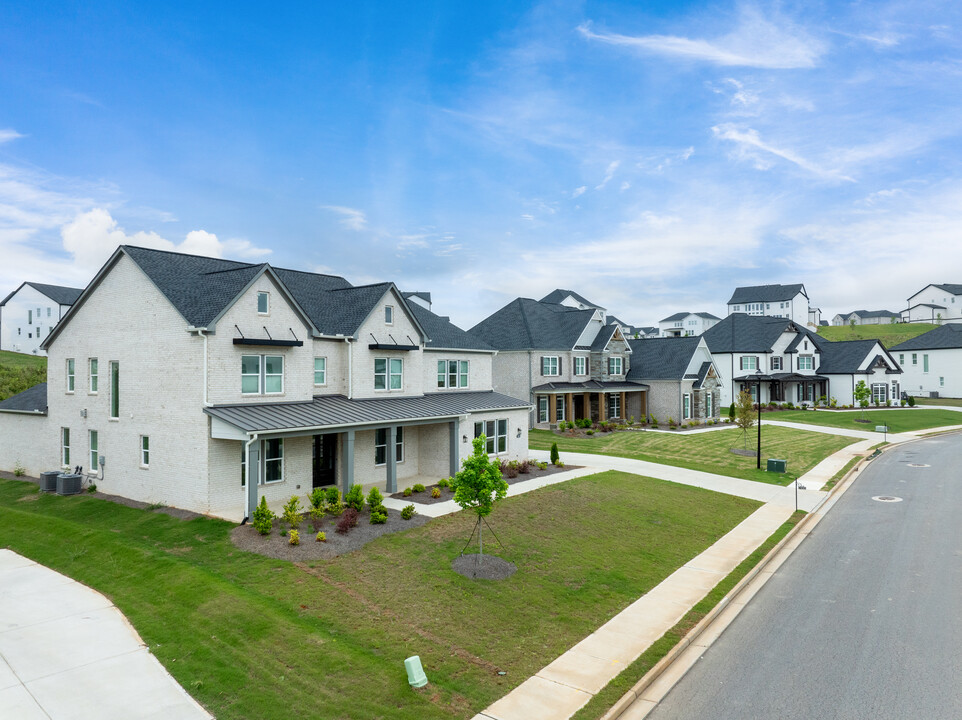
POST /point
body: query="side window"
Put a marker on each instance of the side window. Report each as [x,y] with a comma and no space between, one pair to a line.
[263,303]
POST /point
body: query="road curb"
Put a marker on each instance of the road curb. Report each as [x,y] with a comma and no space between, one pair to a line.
[636,692]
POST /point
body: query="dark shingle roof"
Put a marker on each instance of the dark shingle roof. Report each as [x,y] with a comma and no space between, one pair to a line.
[869,314]
[661,358]
[844,356]
[526,324]
[338,411]
[603,338]
[445,334]
[31,400]
[765,293]
[749,333]
[556,296]
[950,288]
[941,338]
[683,315]
[60,294]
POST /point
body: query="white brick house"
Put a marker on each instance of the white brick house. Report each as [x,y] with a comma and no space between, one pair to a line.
[785,301]
[686,324]
[29,314]
[204,383]
[932,362]
[935,304]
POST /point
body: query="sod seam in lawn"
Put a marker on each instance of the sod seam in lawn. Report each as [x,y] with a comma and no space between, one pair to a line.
[708,452]
[628,677]
[253,637]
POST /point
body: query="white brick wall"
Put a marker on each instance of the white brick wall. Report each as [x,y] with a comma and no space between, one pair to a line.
[479,370]
[24,439]
[363,362]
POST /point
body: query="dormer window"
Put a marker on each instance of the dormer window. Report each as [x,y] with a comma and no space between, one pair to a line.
[263,303]
[388,314]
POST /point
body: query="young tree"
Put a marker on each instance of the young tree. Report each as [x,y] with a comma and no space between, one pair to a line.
[862,393]
[478,485]
[745,415]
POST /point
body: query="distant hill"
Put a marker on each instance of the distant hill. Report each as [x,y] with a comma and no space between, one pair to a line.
[890,334]
[19,372]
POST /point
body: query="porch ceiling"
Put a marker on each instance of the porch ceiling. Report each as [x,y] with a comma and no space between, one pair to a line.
[588,386]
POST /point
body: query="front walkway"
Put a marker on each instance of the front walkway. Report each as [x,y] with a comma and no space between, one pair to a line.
[67,652]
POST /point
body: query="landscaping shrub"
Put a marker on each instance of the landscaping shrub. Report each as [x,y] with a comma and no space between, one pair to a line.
[444,482]
[18,469]
[321,537]
[524,467]
[347,521]
[292,512]
[418,487]
[631,420]
[589,432]
[295,538]
[554,453]
[542,466]
[378,515]
[263,518]
[355,498]
[407,492]
[511,471]
[375,498]
[317,517]
[92,488]
[911,400]
[731,413]
[408,512]
[316,498]
[332,495]
[436,491]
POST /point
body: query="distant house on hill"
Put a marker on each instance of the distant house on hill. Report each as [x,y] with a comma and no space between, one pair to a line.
[29,314]
[686,324]
[786,301]
[865,317]
[935,304]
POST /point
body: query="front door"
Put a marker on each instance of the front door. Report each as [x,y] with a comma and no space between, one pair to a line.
[325,456]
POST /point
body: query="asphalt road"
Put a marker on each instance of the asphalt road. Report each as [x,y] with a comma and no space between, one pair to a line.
[864,620]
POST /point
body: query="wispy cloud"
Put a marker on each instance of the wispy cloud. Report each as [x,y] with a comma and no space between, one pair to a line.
[579,191]
[350,218]
[8,134]
[756,42]
[748,141]
[609,173]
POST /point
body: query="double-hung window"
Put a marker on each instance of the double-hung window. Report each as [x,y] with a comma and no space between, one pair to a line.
[70,374]
[144,451]
[708,406]
[262,374]
[320,371]
[114,390]
[806,362]
[925,363]
[615,365]
[581,366]
[776,363]
[263,303]
[559,408]
[542,408]
[614,405]
[65,446]
[380,446]
[94,376]
[686,410]
[94,450]
[748,362]
[274,460]
[452,373]
[495,434]
[550,365]
[388,373]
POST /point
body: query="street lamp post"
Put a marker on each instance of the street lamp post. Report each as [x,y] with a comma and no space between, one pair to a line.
[758,399]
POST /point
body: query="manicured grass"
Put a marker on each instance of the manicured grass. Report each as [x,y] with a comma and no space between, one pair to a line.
[626,680]
[890,334]
[840,474]
[898,420]
[953,402]
[19,372]
[709,452]
[252,637]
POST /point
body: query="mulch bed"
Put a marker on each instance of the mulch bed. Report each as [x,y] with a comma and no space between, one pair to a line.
[278,546]
[424,498]
[486,567]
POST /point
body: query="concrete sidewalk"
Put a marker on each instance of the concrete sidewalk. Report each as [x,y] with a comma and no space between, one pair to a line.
[66,653]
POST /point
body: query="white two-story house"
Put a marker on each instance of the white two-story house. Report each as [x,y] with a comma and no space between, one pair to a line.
[784,301]
[29,314]
[686,324]
[935,304]
[204,384]
[932,362]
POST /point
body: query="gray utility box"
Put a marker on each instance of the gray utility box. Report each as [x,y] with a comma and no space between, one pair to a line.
[69,484]
[881,428]
[48,481]
[933,393]
[777,466]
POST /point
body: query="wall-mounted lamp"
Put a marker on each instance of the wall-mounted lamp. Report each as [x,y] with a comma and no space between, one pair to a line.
[83,413]
[519,432]
[464,438]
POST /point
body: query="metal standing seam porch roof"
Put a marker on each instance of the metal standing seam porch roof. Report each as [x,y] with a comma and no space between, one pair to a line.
[337,411]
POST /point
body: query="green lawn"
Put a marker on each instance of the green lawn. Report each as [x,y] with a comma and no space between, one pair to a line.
[710,452]
[953,402]
[901,420]
[890,334]
[19,372]
[252,637]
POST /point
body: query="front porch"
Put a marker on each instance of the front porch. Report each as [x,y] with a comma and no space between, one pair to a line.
[785,387]
[591,400]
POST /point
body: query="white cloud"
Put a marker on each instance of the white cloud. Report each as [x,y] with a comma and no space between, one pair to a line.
[609,173]
[526,216]
[350,218]
[577,192]
[756,42]
[8,134]
[748,141]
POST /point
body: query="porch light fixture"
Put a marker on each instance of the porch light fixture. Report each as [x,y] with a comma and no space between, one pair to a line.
[519,432]
[464,439]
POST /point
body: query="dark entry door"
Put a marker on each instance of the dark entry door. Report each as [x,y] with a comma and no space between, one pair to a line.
[325,456]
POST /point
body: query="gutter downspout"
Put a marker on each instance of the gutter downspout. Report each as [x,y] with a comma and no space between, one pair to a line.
[350,368]
[247,463]
[203,333]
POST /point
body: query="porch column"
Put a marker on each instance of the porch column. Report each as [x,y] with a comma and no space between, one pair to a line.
[453,459]
[348,479]
[587,403]
[552,409]
[602,406]
[644,405]
[392,459]
[570,405]
[623,413]
[253,476]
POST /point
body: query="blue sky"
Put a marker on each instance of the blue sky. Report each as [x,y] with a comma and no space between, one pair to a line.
[651,156]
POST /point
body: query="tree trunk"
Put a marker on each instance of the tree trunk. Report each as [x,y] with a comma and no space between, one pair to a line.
[480,540]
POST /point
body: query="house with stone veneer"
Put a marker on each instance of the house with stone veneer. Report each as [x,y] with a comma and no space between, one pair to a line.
[204,384]
[29,314]
[567,361]
[683,384]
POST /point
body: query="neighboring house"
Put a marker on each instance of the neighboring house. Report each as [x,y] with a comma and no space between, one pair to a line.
[785,301]
[226,381]
[647,331]
[866,317]
[680,374]
[566,360]
[790,363]
[686,324]
[935,304]
[932,362]
[569,298]
[29,314]
[632,331]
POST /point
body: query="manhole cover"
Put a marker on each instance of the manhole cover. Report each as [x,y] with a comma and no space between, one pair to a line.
[887,498]
[918,465]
